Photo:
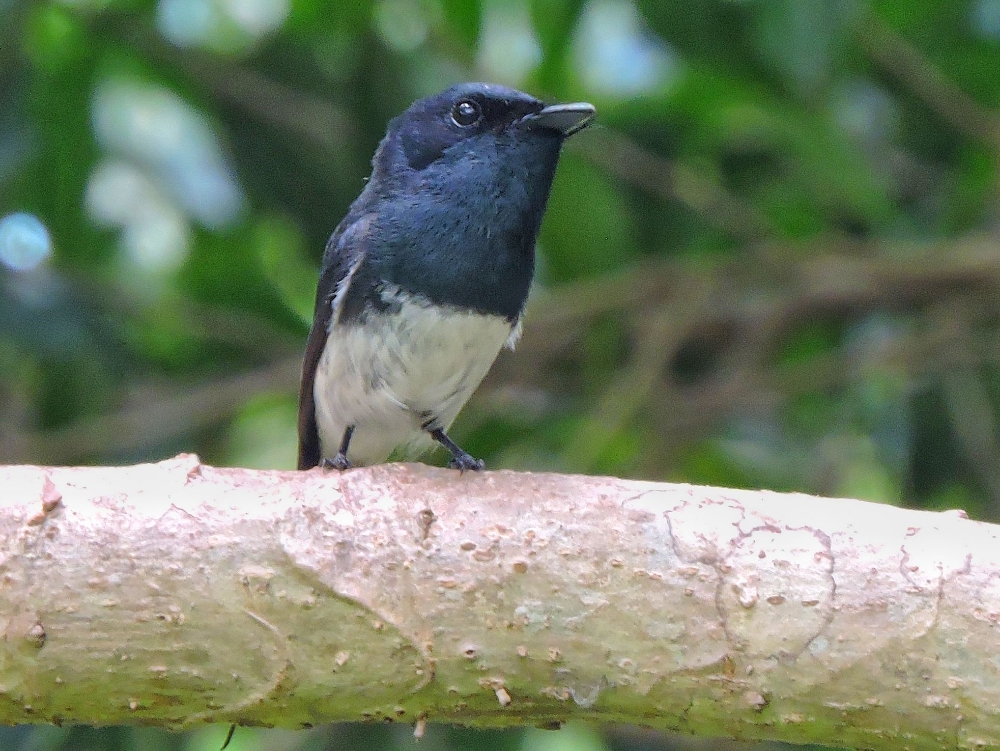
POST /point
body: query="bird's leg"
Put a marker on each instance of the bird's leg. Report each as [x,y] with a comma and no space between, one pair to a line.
[340,461]
[229,737]
[460,459]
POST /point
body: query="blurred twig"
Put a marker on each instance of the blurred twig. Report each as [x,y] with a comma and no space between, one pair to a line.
[311,118]
[767,289]
[973,422]
[892,52]
[151,419]
[671,305]
[743,310]
[253,334]
[671,181]
[633,387]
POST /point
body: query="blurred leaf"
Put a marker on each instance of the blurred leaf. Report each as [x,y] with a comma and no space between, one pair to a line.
[586,228]
[259,435]
[243,285]
[164,336]
[946,32]
[281,249]
[975,191]
[812,415]
[803,41]
[812,339]
[54,37]
[861,474]
[620,453]
[956,496]
[707,463]
[712,32]
[319,16]
[554,22]
[463,18]
[573,736]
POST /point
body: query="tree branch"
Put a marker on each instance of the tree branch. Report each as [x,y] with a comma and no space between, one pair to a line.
[177,593]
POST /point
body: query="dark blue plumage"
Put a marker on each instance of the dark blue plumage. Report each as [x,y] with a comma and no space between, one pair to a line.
[425,279]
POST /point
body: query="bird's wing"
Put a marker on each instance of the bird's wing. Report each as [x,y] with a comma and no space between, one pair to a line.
[342,258]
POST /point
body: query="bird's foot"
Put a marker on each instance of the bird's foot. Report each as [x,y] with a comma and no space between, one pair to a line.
[460,459]
[340,462]
[464,461]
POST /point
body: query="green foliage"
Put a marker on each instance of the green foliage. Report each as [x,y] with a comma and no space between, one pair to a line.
[772,262]
[588,230]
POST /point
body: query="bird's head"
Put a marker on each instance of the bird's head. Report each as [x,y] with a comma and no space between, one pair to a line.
[478,119]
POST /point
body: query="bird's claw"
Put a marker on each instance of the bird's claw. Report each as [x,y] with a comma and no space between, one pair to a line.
[463,461]
[340,462]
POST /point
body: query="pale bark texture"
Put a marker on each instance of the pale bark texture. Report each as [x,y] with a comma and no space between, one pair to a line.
[179,593]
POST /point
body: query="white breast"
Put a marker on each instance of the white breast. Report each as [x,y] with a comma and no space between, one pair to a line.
[397,373]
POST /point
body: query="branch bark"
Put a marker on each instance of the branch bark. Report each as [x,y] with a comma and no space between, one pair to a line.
[178,593]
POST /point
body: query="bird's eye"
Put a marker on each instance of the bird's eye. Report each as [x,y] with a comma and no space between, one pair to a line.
[466,113]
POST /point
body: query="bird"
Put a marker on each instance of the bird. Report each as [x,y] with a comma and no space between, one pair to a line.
[425,280]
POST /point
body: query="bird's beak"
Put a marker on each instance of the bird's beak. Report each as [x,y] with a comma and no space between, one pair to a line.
[565,118]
